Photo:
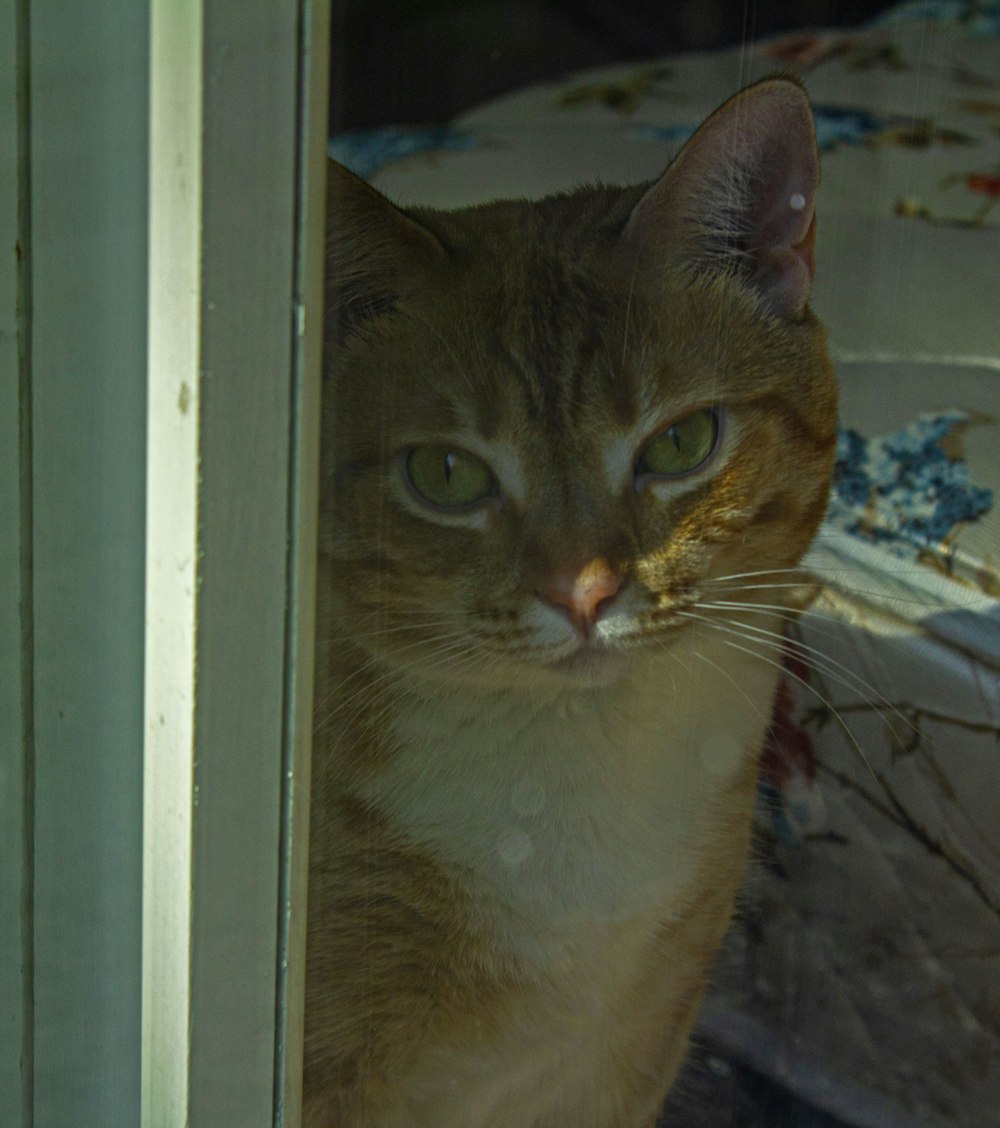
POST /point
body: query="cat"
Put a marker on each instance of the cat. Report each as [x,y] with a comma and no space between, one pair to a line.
[549,428]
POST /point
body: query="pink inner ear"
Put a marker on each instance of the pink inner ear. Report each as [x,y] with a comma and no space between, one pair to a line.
[743,187]
[784,275]
[781,210]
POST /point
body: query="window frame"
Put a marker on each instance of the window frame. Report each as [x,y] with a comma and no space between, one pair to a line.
[166,203]
[236,208]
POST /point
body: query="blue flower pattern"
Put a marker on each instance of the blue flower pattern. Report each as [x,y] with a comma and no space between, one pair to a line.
[676,134]
[366,152]
[978,17]
[835,125]
[903,490]
[843,125]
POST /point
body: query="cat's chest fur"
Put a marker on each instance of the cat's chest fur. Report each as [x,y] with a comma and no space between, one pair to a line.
[564,813]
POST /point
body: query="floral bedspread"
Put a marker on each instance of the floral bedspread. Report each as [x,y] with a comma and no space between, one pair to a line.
[920,79]
[864,972]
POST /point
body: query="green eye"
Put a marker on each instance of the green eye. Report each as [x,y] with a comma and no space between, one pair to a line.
[682,447]
[450,479]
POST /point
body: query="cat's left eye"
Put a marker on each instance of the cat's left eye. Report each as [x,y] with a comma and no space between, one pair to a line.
[682,447]
[449,478]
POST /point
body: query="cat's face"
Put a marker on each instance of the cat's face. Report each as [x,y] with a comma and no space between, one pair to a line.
[545,435]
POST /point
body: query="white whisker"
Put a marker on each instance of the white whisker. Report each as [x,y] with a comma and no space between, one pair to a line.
[735,684]
[837,670]
[789,673]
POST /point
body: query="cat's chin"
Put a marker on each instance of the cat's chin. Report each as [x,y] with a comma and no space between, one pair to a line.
[590,665]
[584,667]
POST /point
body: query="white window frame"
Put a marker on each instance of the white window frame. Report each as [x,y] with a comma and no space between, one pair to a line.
[168,203]
[238,96]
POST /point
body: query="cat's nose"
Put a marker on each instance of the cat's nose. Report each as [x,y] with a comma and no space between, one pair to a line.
[583,593]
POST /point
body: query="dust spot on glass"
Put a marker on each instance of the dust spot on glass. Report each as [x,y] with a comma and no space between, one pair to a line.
[515,847]
[184,398]
[719,1066]
[797,202]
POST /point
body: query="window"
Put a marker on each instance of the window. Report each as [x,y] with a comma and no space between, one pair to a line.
[167,202]
[161,223]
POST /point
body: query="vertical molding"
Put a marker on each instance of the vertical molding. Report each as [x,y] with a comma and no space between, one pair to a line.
[87,225]
[234,348]
[16,614]
[82,186]
[26,549]
[310,259]
[174,405]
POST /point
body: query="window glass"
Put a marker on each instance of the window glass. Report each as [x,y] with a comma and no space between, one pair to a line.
[557,447]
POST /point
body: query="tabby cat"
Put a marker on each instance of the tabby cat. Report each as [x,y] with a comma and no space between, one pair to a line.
[551,430]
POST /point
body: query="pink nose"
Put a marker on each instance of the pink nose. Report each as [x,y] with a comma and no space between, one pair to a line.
[583,592]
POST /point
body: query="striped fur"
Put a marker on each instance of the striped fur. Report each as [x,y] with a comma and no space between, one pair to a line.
[526,843]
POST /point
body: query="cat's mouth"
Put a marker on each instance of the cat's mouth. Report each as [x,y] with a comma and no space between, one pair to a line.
[593,662]
[601,659]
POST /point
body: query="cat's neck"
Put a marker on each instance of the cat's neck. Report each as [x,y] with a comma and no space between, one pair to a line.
[562,806]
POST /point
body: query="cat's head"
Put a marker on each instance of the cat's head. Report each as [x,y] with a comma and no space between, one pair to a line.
[548,425]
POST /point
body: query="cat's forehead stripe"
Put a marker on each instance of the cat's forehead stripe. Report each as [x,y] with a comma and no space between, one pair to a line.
[562,363]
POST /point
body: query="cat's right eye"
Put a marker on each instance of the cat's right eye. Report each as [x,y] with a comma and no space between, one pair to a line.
[683,447]
[447,478]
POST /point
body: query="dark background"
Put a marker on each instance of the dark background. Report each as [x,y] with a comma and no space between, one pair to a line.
[412,62]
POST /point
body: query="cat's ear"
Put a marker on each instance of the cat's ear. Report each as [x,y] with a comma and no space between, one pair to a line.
[740,196]
[374,250]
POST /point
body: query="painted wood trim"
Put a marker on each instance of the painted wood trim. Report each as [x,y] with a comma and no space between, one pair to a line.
[84,461]
[232,466]
[16,667]
[310,264]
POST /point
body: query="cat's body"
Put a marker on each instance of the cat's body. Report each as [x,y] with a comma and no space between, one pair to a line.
[552,428]
[588,903]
